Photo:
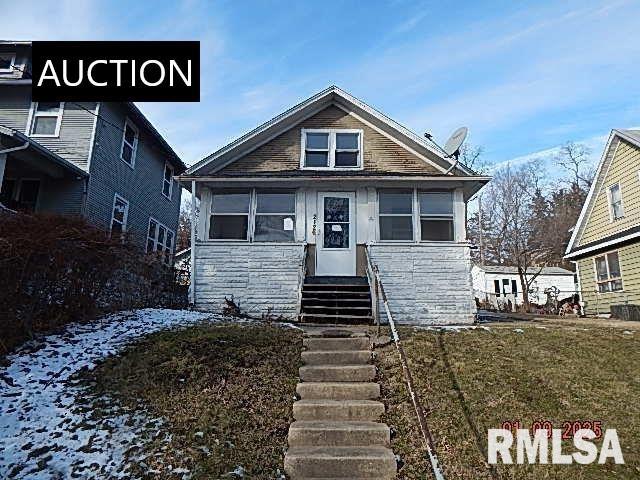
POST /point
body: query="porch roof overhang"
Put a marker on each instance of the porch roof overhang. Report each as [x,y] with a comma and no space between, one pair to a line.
[469,184]
[37,156]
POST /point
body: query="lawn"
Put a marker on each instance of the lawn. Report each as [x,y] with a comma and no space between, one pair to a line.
[224,392]
[473,380]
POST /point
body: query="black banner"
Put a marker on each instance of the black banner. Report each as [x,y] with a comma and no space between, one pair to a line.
[162,71]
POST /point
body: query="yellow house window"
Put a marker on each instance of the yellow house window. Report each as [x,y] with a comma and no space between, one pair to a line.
[608,275]
[615,202]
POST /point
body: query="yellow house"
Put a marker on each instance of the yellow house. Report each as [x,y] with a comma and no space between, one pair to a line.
[605,244]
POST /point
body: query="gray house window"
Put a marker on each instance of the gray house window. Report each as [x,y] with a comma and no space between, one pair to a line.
[119,215]
[436,216]
[160,240]
[230,216]
[129,143]
[46,118]
[396,214]
[167,181]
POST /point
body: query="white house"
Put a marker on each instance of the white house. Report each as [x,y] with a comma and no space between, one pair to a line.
[500,284]
[298,213]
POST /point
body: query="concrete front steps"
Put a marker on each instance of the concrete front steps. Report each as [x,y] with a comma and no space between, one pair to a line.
[337,433]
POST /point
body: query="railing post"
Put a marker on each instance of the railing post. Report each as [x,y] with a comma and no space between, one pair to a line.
[192,289]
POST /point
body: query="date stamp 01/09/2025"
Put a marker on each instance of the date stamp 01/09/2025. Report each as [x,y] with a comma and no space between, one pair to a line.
[534,442]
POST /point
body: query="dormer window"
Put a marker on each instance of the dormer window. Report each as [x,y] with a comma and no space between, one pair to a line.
[326,149]
[7,61]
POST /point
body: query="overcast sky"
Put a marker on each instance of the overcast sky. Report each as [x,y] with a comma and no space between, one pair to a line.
[523,78]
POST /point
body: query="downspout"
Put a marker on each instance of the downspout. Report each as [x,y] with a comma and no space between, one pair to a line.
[85,196]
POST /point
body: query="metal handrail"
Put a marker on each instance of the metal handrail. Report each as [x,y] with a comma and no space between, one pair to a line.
[373,288]
[417,405]
[302,273]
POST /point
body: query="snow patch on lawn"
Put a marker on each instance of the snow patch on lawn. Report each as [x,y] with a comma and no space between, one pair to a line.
[47,430]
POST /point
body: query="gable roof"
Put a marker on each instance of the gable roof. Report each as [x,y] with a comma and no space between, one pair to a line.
[514,270]
[333,95]
[631,136]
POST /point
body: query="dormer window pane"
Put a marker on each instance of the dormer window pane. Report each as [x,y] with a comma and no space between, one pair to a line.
[346,141]
[346,159]
[316,159]
[317,141]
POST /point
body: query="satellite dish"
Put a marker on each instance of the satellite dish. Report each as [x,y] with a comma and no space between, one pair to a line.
[455,141]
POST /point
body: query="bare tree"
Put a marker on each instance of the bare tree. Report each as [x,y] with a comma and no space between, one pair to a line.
[575,158]
[513,236]
[183,239]
[472,157]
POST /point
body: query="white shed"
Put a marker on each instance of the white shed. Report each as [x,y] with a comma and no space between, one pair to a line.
[499,284]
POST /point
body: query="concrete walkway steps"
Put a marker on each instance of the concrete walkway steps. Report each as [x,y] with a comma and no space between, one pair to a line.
[337,434]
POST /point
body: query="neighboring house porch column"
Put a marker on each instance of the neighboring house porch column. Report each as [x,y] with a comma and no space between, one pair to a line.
[192,289]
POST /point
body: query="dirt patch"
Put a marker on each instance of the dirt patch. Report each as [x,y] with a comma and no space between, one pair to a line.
[476,379]
[224,392]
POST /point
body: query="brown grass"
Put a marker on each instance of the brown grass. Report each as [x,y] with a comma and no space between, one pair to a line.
[476,379]
[235,384]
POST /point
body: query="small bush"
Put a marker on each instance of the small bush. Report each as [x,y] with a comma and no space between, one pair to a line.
[56,269]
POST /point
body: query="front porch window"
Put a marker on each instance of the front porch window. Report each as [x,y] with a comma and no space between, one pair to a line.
[396,214]
[275,217]
[253,215]
[410,214]
[436,216]
[230,216]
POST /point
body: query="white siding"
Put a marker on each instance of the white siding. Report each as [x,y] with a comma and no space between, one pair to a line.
[261,277]
[426,284]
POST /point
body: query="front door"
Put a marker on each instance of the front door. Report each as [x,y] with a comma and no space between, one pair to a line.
[336,242]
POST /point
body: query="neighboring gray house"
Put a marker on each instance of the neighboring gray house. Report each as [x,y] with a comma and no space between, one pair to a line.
[102,161]
[297,213]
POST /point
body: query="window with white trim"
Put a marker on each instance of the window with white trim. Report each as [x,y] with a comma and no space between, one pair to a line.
[129,143]
[160,239]
[275,217]
[331,149]
[395,212]
[615,202]
[119,215]
[436,216]
[167,181]
[46,119]
[608,274]
[253,215]
[7,62]
[230,215]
